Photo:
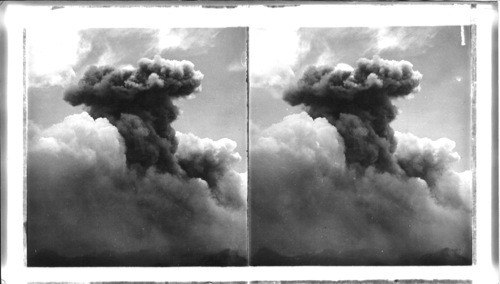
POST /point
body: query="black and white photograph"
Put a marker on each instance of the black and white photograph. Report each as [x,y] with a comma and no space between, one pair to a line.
[249,143]
[360,146]
[136,148]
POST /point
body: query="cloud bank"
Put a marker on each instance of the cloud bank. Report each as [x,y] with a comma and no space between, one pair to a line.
[118,184]
[336,185]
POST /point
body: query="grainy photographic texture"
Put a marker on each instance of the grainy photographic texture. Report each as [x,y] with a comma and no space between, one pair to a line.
[360,142]
[360,147]
[136,147]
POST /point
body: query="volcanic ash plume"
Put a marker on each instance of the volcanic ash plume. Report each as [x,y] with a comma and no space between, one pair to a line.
[139,103]
[358,103]
[119,186]
[338,186]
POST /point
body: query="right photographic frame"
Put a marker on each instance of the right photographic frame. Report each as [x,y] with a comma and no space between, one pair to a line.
[360,147]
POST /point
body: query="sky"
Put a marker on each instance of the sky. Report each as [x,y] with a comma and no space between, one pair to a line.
[442,108]
[58,58]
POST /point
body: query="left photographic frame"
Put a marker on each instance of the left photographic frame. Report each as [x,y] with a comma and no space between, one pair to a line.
[135,147]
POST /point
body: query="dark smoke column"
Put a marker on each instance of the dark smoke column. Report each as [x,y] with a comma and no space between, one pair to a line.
[358,103]
[139,103]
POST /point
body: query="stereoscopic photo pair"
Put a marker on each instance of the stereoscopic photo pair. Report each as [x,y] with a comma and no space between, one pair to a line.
[237,147]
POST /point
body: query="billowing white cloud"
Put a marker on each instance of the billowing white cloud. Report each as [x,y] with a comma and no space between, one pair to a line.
[273,54]
[212,161]
[83,199]
[52,54]
[307,202]
[432,161]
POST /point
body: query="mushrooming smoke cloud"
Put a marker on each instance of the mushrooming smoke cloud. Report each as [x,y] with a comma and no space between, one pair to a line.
[118,181]
[139,103]
[338,186]
[358,103]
